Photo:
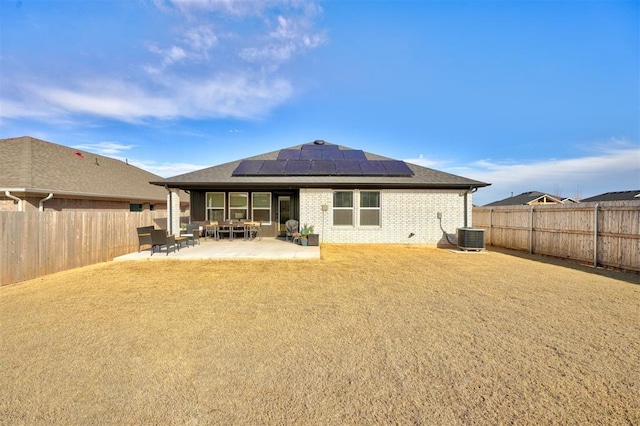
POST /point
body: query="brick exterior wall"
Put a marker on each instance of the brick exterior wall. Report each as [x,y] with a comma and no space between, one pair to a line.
[173,200]
[402,212]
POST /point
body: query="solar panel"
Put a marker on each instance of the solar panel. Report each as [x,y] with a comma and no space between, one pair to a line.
[311,154]
[372,168]
[332,154]
[248,167]
[297,167]
[289,154]
[353,154]
[396,168]
[322,167]
[273,168]
[348,168]
[311,146]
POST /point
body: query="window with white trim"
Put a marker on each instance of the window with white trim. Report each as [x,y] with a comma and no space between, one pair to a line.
[238,205]
[215,206]
[343,208]
[369,208]
[261,207]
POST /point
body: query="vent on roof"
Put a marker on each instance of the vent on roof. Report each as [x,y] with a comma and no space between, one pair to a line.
[470,239]
[318,142]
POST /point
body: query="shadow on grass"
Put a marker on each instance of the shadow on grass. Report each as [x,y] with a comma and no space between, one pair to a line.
[628,276]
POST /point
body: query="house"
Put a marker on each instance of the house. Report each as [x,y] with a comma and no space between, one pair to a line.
[39,175]
[530,198]
[348,195]
[615,196]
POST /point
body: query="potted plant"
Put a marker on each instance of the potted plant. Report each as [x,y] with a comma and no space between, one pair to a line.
[304,234]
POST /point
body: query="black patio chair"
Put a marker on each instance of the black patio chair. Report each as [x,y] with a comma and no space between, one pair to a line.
[193,233]
[159,238]
[292,227]
[144,236]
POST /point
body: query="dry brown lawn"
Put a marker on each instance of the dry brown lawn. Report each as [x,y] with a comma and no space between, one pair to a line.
[366,335]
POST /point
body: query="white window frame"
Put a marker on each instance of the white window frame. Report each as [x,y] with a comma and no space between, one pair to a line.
[223,208]
[361,209]
[352,209]
[244,195]
[253,206]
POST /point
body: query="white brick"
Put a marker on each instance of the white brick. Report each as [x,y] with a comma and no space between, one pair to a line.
[403,212]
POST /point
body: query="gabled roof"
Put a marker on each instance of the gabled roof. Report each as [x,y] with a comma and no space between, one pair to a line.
[222,176]
[615,196]
[32,165]
[531,197]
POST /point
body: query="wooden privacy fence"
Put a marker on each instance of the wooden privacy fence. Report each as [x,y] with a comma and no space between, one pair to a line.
[34,244]
[605,234]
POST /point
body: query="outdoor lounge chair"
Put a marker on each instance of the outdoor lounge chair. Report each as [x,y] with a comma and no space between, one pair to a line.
[160,238]
[144,236]
[291,228]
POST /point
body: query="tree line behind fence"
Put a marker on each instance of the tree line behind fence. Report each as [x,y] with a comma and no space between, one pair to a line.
[601,234]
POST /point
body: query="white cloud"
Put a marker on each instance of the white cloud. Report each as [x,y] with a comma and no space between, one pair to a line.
[166,169]
[611,169]
[238,96]
[110,149]
[210,66]
[614,166]
[428,162]
[291,36]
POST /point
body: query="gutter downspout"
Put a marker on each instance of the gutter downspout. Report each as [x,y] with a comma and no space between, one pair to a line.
[13,197]
[466,205]
[41,203]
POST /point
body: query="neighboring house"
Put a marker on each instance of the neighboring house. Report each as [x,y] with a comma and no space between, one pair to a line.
[615,196]
[348,195]
[38,175]
[530,198]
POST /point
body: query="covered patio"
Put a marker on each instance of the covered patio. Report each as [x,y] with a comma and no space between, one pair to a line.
[267,248]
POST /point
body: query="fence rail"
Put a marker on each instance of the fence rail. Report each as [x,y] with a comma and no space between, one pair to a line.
[33,244]
[604,234]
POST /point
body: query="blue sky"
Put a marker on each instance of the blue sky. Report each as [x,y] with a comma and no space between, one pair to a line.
[526,95]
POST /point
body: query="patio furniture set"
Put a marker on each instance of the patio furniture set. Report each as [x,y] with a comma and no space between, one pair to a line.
[159,238]
[248,230]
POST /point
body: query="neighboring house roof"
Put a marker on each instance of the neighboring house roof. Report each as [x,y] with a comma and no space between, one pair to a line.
[615,196]
[569,200]
[31,165]
[531,197]
[222,176]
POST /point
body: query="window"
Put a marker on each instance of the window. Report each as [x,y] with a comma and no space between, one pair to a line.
[261,206]
[135,207]
[370,208]
[343,208]
[238,205]
[215,206]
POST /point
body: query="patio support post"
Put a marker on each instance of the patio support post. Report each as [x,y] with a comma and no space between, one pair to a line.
[173,210]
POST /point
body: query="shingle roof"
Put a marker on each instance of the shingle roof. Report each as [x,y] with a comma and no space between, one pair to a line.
[522,199]
[615,196]
[222,176]
[36,166]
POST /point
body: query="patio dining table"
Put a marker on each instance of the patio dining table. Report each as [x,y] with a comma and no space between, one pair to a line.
[248,229]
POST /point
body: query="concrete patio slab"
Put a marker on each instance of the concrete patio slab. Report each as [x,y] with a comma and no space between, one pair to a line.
[267,248]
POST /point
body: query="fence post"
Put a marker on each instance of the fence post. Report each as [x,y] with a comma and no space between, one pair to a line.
[531,231]
[595,236]
[491,226]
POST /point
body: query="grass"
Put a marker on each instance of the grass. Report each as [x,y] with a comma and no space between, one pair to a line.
[366,335]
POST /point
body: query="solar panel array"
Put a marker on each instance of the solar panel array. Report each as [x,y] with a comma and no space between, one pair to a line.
[322,160]
[321,154]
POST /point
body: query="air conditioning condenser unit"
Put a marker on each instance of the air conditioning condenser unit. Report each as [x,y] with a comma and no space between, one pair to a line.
[471,239]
